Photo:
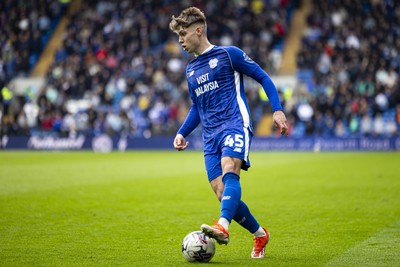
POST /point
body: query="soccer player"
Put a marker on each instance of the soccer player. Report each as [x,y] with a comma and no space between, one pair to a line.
[215,79]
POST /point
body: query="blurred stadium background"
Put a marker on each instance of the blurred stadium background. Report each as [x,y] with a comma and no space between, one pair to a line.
[109,74]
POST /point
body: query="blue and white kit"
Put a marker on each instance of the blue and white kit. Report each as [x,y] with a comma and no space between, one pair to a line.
[216,87]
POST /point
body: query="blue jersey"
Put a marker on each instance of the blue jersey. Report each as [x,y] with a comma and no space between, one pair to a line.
[215,80]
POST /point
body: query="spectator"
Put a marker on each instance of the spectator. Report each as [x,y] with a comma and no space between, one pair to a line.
[346,50]
[120,57]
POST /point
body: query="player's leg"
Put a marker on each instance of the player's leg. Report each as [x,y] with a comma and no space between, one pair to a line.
[230,197]
[214,171]
[232,192]
[231,150]
[235,156]
[242,215]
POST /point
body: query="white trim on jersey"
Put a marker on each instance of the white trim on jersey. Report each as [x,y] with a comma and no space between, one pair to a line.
[247,144]
[242,105]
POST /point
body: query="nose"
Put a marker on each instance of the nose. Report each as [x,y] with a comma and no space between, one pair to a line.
[181,40]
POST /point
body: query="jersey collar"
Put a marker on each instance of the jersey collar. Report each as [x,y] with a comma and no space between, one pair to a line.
[207,49]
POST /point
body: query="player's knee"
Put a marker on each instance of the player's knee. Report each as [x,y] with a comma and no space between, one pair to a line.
[230,164]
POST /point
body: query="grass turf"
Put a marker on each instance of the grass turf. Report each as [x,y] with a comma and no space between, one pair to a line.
[134,208]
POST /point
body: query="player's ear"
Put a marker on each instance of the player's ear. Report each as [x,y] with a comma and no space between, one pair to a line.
[199,30]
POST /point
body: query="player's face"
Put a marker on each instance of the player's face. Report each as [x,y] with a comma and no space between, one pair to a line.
[189,38]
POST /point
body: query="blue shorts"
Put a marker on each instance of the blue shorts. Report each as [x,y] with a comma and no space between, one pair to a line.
[233,142]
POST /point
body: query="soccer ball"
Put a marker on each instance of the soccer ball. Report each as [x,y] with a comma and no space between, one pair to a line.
[196,246]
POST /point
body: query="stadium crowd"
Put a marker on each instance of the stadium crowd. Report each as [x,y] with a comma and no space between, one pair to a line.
[121,71]
[26,27]
[350,62]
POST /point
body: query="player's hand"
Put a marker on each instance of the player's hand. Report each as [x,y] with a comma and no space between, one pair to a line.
[280,122]
[180,143]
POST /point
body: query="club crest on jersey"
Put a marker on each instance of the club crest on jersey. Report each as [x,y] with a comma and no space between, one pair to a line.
[213,63]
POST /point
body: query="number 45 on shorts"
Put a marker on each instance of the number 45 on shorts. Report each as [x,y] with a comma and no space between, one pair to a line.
[236,141]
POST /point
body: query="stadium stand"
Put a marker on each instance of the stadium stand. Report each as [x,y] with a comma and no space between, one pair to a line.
[119,70]
[349,63]
[26,27]
[25,31]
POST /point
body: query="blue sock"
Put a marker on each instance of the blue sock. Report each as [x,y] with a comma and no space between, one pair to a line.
[244,217]
[231,195]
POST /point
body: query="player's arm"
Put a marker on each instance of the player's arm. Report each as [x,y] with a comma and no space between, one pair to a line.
[191,122]
[244,64]
[278,116]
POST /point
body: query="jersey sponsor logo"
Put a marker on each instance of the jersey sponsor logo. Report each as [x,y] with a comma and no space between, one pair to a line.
[205,87]
[191,73]
[213,63]
[202,78]
[247,58]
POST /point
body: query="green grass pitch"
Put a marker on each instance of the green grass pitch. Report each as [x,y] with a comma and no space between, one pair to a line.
[134,208]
